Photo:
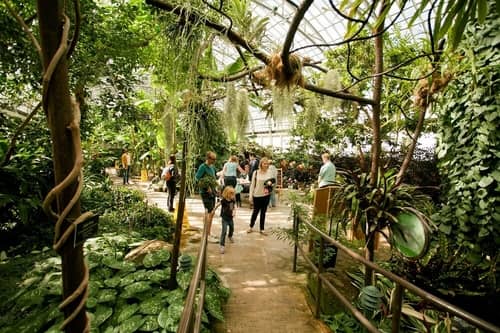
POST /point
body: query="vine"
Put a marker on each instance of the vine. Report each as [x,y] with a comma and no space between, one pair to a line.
[468,150]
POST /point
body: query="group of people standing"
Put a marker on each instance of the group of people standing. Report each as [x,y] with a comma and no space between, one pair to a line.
[262,180]
[261,174]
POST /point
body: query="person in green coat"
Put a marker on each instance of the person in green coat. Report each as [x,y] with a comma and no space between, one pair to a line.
[207,183]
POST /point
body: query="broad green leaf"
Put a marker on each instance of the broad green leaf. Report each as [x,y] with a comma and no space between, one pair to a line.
[450,17]
[138,287]
[127,311]
[141,275]
[486,181]
[112,282]
[163,318]
[152,306]
[159,275]
[154,259]
[132,324]
[482,10]
[101,314]
[150,324]
[127,279]
[106,295]
[459,26]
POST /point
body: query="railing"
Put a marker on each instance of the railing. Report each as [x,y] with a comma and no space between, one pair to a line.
[401,285]
[191,320]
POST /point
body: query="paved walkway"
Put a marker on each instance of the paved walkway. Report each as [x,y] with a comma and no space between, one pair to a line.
[265,295]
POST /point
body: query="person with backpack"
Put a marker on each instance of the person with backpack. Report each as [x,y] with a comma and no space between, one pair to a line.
[254,165]
[169,174]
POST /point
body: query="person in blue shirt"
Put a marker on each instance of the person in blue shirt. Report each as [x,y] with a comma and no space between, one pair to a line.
[230,171]
[327,172]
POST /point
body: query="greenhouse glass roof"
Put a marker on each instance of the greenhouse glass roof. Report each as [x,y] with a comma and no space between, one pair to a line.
[319,30]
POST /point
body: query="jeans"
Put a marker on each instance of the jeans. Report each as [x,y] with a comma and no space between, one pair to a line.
[171,194]
[230,181]
[126,173]
[226,222]
[259,205]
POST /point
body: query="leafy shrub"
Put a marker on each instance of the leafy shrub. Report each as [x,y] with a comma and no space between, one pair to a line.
[25,179]
[123,210]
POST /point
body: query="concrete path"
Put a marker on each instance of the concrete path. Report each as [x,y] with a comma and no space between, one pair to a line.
[265,295]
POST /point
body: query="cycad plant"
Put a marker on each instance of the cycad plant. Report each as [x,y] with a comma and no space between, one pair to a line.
[384,206]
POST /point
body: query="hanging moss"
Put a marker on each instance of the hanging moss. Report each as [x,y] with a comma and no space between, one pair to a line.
[230,108]
[331,81]
[283,101]
[311,115]
[242,111]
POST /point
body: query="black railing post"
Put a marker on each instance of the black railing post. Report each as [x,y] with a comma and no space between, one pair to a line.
[320,271]
[296,239]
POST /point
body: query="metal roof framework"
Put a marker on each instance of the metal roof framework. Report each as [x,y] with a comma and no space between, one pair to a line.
[321,27]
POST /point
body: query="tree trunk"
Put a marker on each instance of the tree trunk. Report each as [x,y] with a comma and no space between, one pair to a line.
[172,283]
[376,140]
[59,111]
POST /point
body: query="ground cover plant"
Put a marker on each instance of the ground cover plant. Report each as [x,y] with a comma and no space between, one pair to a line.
[124,296]
[117,288]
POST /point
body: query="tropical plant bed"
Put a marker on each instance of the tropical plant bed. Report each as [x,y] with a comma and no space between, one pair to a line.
[124,296]
[339,278]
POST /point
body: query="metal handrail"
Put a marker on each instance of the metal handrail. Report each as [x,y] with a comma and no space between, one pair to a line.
[191,321]
[401,284]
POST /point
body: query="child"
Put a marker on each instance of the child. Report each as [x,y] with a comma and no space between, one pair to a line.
[238,190]
[227,213]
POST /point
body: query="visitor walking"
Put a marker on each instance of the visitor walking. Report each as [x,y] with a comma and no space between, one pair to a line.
[327,172]
[259,194]
[227,213]
[170,175]
[207,183]
[125,165]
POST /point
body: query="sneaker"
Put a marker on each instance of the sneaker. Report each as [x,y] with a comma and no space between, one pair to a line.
[231,240]
[263,233]
[249,230]
[222,250]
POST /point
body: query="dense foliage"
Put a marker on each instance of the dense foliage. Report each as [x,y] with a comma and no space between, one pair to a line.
[25,179]
[123,295]
[469,159]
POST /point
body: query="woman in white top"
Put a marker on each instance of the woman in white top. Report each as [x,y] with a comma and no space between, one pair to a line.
[260,189]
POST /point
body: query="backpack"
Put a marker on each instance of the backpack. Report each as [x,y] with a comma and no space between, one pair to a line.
[170,174]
